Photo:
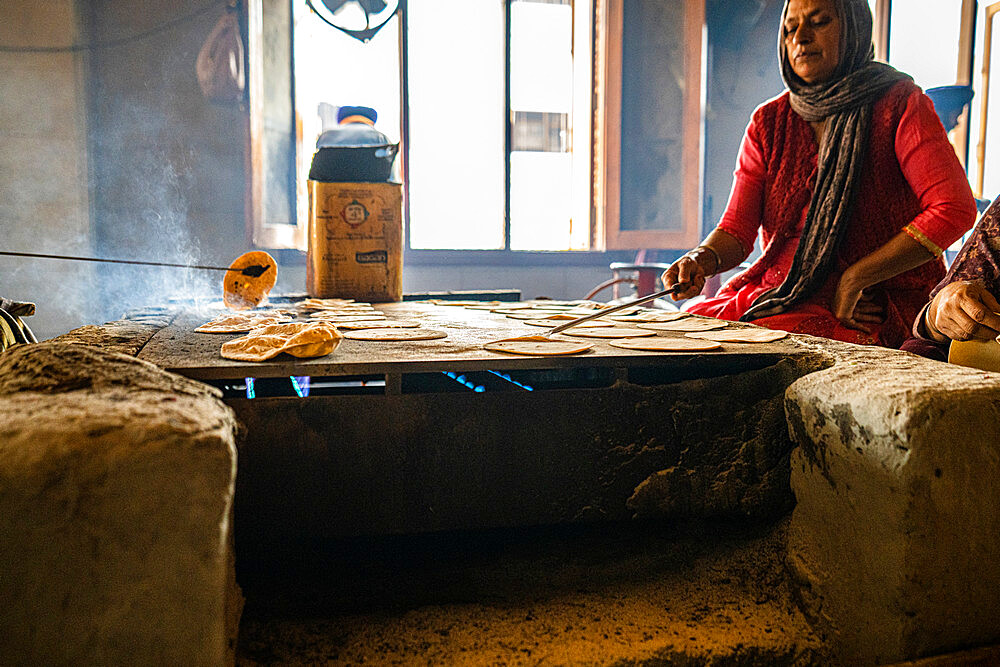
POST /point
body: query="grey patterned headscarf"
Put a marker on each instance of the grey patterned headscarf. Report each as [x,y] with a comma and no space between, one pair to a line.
[846,100]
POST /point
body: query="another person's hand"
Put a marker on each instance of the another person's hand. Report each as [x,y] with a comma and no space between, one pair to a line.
[853,308]
[963,310]
[688,269]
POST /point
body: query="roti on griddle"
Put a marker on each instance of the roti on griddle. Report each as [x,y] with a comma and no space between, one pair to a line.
[543,347]
[532,314]
[396,334]
[611,332]
[746,335]
[242,292]
[299,339]
[686,324]
[552,322]
[662,316]
[665,344]
[379,324]
[448,302]
[238,322]
[340,319]
[318,304]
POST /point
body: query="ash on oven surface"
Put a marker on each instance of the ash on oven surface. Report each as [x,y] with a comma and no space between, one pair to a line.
[634,593]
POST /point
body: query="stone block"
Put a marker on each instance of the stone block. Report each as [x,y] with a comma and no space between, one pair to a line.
[895,538]
[116,489]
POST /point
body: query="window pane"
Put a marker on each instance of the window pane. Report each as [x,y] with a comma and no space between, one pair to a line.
[541,97]
[923,40]
[332,70]
[456,152]
[652,117]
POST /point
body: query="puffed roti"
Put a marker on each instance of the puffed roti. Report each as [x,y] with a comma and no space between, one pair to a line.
[299,339]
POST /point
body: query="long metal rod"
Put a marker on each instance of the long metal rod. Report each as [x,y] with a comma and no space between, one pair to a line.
[607,311]
[114,261]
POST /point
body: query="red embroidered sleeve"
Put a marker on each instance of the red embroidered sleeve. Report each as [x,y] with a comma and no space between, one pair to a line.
[742,217]
[933,171]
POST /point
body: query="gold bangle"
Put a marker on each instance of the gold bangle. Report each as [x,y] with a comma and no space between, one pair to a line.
[718,260]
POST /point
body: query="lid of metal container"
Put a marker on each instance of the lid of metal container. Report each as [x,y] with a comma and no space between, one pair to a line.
[355,129]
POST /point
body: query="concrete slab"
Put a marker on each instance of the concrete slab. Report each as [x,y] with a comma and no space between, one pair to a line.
[895,537]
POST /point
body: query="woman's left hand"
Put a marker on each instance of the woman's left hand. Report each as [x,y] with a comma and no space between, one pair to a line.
[852,307]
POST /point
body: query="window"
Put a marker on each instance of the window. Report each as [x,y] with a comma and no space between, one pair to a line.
[494,104]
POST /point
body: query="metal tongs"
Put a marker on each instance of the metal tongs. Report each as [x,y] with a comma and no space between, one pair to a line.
[614,309]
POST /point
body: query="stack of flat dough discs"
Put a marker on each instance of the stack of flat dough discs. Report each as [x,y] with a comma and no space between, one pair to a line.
[538,346]
[684,325]
[665,344]
[744,335]
[611,332]
[241,322]
[395,334]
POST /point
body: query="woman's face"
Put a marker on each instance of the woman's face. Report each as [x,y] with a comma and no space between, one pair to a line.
[812,39]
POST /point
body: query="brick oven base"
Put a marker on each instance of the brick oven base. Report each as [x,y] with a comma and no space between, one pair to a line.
[892,545]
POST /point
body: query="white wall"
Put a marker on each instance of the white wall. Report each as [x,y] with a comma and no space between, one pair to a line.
[44,203]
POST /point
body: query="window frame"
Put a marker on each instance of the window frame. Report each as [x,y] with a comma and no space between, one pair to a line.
[605,42]
[607,144]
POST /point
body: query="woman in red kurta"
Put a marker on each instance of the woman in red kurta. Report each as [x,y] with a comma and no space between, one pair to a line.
[855,257]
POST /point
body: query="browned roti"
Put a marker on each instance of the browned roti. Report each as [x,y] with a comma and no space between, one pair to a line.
[740,335]
[395,334]
[542,347]
[687,324]
[664,344]
[611,332]
[299,339]
[241,292]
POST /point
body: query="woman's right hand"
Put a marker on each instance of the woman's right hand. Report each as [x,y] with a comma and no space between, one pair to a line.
[963,310]
[687,269]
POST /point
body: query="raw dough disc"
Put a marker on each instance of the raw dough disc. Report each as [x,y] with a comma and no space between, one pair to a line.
[554,322]
[664,316]
[242,292]
[532,314]
[397,333]
[687,324]
[542,347]
[664,344]
[340,319]
[740,335]
[379,324]
[611,332]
